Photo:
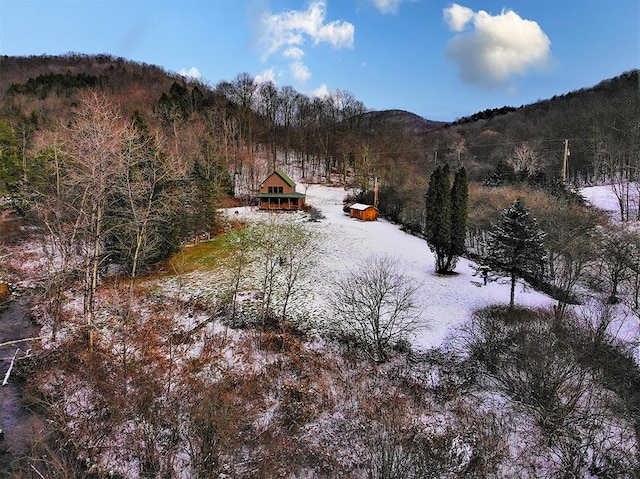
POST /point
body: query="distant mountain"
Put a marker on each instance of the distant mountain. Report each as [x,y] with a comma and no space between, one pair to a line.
[19,70]
[395,120]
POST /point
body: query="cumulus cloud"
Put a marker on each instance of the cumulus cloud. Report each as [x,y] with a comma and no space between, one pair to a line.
[294,53]
[299,71]
[289,32]
[266,77]
[192,72]
[321,92]
[388,6]
[457,16]
[491,50]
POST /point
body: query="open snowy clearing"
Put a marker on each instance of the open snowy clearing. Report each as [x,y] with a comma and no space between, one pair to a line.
[446,301]
[602,197]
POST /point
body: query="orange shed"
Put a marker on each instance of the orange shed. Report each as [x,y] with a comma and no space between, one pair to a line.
[363,212]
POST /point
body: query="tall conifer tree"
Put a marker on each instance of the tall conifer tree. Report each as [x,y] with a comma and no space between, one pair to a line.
[438,216]
[516,245]
[459,215]
[446,217]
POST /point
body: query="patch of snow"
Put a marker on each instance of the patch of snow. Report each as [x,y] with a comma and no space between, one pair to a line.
[601,197]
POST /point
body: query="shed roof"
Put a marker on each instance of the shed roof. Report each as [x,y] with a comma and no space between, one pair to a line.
[361,207]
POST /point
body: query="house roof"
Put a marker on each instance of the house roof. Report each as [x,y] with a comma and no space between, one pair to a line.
[286,178]
[281,195]
[361,207]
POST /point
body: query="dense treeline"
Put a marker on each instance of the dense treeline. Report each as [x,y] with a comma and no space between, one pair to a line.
[335,134]
[42,85]
[487,114]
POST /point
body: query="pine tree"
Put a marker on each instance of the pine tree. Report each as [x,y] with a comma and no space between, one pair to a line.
[438,216]
[516,245]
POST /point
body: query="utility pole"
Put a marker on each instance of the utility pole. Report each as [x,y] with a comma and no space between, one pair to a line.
[565,160]
[375,191]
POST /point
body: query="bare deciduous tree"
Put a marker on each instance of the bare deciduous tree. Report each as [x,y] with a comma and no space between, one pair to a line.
[616,259]
[285,251]
[376,305]
[299,248]
[94,146]
[526,158]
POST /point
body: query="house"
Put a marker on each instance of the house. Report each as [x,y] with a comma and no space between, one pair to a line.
[363,212]
[278,192]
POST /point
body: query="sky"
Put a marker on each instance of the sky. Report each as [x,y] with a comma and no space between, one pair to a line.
[441,60]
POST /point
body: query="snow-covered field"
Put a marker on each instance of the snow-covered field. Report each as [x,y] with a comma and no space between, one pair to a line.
[602,197]
[446,301]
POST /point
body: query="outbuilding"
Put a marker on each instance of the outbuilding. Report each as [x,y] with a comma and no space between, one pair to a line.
[363,212]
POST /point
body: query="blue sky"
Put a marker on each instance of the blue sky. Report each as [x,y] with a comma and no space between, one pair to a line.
[441,60]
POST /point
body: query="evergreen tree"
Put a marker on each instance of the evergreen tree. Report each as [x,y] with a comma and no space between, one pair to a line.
[459,216]
[438,216]
[142,207]
[516,245]
[446,217]
[10,161]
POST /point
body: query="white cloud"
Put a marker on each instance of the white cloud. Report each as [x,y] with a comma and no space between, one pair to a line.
[294,53]
[266,77]
[287,33]
[300,71]
[291,28]
[458,16]
[491,50]
[321,92]
[388,6]
[192,72]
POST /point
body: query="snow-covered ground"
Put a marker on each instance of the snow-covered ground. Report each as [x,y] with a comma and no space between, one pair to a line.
[446,301]
[601,197]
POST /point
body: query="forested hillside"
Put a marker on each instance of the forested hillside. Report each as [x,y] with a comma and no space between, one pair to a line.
[178,338]
[601,124]
[202,146]
[239,122]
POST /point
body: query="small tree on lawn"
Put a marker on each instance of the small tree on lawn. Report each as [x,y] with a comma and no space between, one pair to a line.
[618,255]
[376,306]
[516,245]
[446,217]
